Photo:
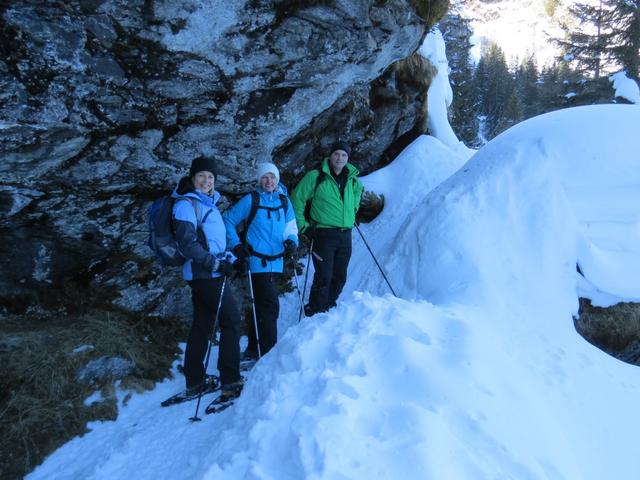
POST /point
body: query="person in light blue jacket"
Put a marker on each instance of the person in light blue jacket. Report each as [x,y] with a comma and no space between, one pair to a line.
[201,236]
[271,237]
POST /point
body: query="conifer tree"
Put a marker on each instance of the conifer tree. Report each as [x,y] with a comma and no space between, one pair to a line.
[463,112]
[494,86]
[557,88]
[624,22]
[586,41]
[607,36]
[527,87]
[512,113]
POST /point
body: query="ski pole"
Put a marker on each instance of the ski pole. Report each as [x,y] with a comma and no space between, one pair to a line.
[253,308]
[376,260]
[306,276]
[195,417]
[295,276]
[214,339]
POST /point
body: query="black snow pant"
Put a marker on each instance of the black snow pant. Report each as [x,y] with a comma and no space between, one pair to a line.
[331,255]
[265,295]
[205,294]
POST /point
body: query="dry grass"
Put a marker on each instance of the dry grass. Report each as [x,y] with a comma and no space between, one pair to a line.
[615,329]
[431,10]
[415,71]
[371,206]
[41,401]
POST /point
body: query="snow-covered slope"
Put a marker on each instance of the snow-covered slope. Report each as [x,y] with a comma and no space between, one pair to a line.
[476,372]
[567,180]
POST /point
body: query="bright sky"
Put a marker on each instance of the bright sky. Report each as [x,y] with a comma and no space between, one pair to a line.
[520,28]
[475,371]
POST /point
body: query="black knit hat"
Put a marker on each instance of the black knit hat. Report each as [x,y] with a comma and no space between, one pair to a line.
[340,146]
[203,164]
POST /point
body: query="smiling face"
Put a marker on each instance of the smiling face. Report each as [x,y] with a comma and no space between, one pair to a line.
[338,160]
[268,182]
[204,181]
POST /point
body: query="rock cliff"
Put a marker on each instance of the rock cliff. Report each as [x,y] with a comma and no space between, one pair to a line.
[104,103]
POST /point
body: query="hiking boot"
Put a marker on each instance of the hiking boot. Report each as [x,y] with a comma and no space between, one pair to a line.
[229,391]
[309,311]
[210,384]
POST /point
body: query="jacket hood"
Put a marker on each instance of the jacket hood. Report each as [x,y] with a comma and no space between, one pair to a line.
[185,185]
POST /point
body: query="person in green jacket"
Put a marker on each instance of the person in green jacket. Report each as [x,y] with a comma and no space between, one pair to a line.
[334,191]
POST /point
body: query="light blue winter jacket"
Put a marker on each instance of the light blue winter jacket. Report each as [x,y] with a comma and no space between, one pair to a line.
[267,232]
[198,245]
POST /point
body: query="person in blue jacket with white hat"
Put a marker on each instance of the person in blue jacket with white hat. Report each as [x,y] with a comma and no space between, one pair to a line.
[271,237]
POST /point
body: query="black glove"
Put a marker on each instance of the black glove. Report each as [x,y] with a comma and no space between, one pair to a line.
[240,251]
[310,233]
[242,255]
[225,268]
[290,249]
[241,266]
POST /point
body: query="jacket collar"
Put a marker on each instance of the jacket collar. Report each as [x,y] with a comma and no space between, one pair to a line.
[351,170]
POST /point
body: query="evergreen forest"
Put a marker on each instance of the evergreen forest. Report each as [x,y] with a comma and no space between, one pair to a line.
[492,93]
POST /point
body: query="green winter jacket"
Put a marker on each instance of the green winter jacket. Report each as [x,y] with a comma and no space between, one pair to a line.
[328,209]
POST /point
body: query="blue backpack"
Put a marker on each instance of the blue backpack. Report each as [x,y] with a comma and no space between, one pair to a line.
[162,240]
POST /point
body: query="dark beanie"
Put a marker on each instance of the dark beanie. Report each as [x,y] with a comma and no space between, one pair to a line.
[340,146]
[203,164]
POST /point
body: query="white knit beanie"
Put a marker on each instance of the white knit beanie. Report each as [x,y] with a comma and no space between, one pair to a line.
[264,168]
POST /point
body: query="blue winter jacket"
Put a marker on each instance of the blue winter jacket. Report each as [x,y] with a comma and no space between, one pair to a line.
[198,245]
[267,231]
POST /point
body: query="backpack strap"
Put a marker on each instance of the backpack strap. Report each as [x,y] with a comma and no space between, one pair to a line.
[307,209]
[255,201]
[264,257]
[284,202]
[319,179]
[255,205]
[196,207]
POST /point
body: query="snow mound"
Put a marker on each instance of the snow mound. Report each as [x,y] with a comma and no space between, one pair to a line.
[563,187]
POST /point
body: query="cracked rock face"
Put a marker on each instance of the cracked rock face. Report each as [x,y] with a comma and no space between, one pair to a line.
[104,103]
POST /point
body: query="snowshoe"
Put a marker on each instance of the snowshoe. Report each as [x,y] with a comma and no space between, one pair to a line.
[211,384]
[228,394]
